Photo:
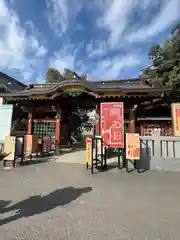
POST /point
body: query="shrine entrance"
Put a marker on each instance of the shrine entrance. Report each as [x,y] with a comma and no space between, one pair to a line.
[77,119]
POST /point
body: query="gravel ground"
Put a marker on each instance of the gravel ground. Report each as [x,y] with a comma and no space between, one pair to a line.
[64,201]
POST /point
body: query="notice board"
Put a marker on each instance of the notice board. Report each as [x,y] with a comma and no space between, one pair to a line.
[175,107]
[6,111]
[112,124]
[132,146]
[10,147]
[89,150]
[30,144]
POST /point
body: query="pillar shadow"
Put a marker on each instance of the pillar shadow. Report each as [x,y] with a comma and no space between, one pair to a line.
[3,205]
[38,204]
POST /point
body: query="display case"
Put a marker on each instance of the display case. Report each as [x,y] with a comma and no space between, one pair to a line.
[44,128]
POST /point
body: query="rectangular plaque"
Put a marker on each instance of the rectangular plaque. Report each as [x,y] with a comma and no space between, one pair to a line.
[112,124]
[132,146]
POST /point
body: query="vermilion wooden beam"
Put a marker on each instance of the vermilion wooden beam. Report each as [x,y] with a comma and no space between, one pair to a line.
[58,130]
[132,121]
[29,132]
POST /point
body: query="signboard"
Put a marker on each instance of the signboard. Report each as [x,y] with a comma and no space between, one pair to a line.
[46,144]
[30,144]
[53,143]
[1,100]
[10,147]
[132,146]
[100,147]
[6,111]
[89,150]
[112,124]
[176,118]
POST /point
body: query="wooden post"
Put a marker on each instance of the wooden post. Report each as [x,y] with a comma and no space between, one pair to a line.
[29,132]
[58,131]
[142,128]
[97,124]
[132,121]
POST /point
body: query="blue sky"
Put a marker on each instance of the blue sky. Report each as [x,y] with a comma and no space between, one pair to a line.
[106,39]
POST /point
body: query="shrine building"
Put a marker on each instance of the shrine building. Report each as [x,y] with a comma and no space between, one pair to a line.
[48,109]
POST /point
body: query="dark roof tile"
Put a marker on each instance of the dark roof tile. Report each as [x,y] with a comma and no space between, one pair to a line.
[11,83]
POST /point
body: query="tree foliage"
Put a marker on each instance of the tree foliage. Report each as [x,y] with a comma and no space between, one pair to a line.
[165,68]
[69,74]
[54,75]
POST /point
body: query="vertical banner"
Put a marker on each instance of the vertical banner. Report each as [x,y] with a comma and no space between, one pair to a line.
[112,124]
[175,107]
[46,144]
[89,150]
[132,146]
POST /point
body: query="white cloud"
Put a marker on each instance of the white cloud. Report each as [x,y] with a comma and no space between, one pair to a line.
[112,68]
[115,18]
[96,49]
[169,14]
[64,58]
[36,47]
[61,13]
[40,79]
[61,62]
[67,57]
[58,15]
[107,53]
[117,32]
[116,15]
[19,50]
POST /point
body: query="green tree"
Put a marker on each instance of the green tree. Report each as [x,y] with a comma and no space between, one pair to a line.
[53,75]
[165,68]
[70,74]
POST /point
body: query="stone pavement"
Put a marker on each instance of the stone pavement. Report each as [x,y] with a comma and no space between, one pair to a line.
[78,156]
[64,201]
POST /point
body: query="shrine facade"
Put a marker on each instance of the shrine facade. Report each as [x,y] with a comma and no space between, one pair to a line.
[50,109]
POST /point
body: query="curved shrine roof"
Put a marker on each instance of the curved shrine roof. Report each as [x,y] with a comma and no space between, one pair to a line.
[97,87]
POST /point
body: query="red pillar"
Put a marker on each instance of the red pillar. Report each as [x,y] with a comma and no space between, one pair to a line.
[132,121]
[97,126]
[141,128]
[58,131]
[58,124]
[29,132]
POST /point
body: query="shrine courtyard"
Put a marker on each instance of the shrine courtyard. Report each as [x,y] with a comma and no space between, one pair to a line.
[64,201]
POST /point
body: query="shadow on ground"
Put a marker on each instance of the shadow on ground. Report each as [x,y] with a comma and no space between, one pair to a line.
[3,204]
[38,204]
[109,167]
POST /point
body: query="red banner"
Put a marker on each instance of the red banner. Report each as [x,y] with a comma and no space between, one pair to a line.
[112,124]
